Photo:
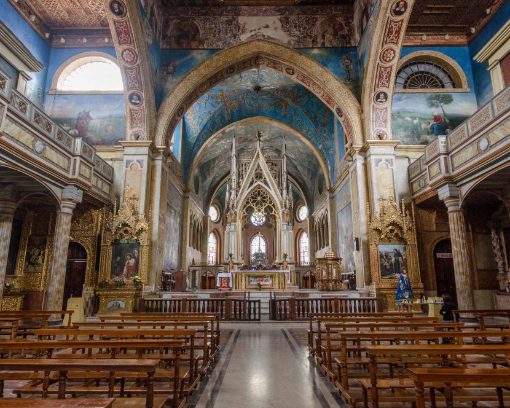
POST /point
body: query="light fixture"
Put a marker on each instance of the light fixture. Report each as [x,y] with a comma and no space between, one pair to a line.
[32,17]
[106,40]
[62,40]
[473,30]
[46,35]
[447,36]
[424,37]
[84,40]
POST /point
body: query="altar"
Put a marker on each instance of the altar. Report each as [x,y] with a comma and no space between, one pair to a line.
[261,279]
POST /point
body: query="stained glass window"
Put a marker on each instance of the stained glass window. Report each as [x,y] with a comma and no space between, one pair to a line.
[258,249]
[212,249]
[304,249]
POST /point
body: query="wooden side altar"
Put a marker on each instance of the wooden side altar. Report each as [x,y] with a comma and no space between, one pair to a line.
[259,279]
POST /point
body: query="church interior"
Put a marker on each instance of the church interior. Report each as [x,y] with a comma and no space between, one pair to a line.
[325,180]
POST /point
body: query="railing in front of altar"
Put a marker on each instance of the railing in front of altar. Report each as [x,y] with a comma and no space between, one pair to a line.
[227,308]
[299,308]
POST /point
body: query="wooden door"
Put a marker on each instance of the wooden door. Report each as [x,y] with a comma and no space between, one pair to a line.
[75,273]
[443,265]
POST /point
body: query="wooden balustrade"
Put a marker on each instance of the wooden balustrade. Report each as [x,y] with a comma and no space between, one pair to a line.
[227,309]
[300,308]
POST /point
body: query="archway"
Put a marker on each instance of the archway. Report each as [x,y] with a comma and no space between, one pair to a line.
[75,272]
[443,267]
[289,62]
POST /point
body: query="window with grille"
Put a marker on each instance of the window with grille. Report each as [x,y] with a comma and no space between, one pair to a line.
[423,75]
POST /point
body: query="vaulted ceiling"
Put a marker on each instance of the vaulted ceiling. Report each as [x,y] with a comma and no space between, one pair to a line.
[253,93]
[214,164]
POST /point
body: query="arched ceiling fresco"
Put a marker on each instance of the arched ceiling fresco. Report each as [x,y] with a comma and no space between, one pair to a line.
[214,164]
[259,92]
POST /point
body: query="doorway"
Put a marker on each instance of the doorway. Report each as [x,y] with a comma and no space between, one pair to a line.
[75,272]
[443,265]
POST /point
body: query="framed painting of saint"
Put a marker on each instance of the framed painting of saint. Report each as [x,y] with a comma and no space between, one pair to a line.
[125,259]
[392,259]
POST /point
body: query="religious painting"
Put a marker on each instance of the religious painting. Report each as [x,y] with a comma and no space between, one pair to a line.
[114,305]
[125,259]
[98,119]
[346,237]
[420,118]
[184,34]
[256,281]
[392,259]
[36,252]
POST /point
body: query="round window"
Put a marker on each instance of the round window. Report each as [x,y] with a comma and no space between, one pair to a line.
[214,214]
[258,219]
[302,213]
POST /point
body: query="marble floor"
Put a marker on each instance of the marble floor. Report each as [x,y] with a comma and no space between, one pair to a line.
[265,365]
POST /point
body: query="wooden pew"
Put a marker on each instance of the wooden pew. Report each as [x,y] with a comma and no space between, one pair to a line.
[404,354]
[201,328]
[482,315]
[52,403]
[64,366]
[452,378]
[30,320]
[186,335]
[96,350]
[315,336]
[344,380]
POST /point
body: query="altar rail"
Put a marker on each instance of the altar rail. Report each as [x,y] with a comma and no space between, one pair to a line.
[228,309]
[299,308]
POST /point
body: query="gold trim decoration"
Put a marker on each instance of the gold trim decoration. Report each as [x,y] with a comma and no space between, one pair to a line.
[11,302]
[389,226]
[116,301]
[125,224]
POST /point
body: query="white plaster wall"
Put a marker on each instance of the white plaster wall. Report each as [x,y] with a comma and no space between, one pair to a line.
[173,230]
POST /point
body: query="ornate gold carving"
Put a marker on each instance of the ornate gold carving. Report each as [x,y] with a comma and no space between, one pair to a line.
[126,223]
[393,225]
[11,302]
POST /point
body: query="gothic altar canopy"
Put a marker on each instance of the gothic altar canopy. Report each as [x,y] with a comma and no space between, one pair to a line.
[258,234]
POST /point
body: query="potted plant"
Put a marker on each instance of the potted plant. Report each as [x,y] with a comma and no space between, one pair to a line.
[137,282]
[103,284]
[119,281]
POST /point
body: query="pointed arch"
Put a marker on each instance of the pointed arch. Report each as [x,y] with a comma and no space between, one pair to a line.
[301,68]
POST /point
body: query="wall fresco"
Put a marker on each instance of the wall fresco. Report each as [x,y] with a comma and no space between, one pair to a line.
[306,26]
[99,119]
[419,118]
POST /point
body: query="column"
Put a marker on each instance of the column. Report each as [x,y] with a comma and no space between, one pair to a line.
[7,208]
[55,292]
[461,256]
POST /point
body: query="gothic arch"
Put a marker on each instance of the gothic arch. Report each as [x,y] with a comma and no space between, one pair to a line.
[260,119]
[304,70]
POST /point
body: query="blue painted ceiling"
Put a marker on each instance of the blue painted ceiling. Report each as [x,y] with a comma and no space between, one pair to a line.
[258,92]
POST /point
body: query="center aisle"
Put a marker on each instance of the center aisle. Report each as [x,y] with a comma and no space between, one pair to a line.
[262,365]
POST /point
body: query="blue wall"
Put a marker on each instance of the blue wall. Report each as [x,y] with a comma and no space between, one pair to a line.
[34,42]
[483,84]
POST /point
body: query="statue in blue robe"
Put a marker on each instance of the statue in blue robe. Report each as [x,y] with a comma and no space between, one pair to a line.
[404,289]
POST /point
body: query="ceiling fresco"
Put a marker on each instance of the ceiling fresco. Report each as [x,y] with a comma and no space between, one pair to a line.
[213,165]
[220,27]
[259,92]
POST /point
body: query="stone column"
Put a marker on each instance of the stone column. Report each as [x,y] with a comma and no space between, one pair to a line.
[460,249]
[55,292]
[7,208]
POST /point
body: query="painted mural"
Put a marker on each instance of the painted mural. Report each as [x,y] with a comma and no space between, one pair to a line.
[221,27]
[99,119]
[259,92]
[419,118]
[175,64]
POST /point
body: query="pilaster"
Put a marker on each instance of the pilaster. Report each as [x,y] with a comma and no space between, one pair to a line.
[8,206]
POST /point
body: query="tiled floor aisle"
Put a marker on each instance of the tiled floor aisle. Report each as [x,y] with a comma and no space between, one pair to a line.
[263,366]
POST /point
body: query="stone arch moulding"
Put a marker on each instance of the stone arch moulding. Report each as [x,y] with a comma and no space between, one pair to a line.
[297,66]
[444,61]
[271,121]
[74,62]
[133,56]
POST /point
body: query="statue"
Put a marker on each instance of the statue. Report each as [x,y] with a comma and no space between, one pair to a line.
[404,291]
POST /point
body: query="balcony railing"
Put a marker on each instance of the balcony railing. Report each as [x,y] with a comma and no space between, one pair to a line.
[481,138]
[27,133]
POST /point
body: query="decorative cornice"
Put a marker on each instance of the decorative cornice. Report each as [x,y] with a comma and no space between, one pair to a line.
[31,17]
[14,45]
[494,44]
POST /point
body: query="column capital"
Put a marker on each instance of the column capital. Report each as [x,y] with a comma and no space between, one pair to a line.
[8,200]
[450,194]
[71,196]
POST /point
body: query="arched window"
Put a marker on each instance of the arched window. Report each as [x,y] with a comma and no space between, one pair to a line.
[90,73]
[423,75]
[258,249]
[304,249]
[212,249]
